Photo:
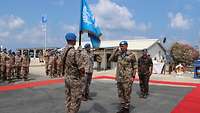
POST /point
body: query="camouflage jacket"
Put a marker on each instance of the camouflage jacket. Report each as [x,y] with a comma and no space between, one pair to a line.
[89,60]
[4,58]
[46,57]
[25,61]
[144,64]
[126,64]
[18,60]
[72,62]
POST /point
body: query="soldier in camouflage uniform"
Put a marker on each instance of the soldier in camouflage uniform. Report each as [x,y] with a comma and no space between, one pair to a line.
[0,65]
[18,64]
[59,65]
[25,65]
[3,64]
[89,58]
[73,70]
[126,70]
[46,60]
[52,64]
[9,65]
[145,67]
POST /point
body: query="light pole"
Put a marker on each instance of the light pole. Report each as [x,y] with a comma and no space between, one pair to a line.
[44,29]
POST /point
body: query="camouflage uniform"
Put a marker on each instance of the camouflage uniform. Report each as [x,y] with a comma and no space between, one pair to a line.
[0,66]
[9,66]
[46,59]
[52,65]
[3,65]
[89,58]
[126,65]
[144,72]
[18,64]
[72,65]
[25,66]
[59,66]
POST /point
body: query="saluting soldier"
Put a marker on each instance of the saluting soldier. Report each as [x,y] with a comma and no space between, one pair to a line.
[126,70]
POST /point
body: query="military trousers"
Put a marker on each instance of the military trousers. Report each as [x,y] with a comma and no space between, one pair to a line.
[124,93]
[144,83]
[25,71]
[73,95]
[86,84]
[3,71]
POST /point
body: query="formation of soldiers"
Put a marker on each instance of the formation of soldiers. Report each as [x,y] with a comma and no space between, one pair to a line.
[14,65]
[53,64]
[76,71]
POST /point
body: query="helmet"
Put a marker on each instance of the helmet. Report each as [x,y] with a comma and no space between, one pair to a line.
[70,37]
[123,43]
[87,45]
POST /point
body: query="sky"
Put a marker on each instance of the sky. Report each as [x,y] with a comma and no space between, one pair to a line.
[177,20]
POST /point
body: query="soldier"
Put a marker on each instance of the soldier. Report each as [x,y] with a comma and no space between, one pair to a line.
[9,65]
[145,68]
[73,70]
[18,64]
[89,58]
[0,65]
[13,65]
[46,60]
[25,65]
[3,63]
[59,65]
[52,64]
[126,70]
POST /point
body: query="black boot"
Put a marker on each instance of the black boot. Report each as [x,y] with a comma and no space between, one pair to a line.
[121,110]
[126,110]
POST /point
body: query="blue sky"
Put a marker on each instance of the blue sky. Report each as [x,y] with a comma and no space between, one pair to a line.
[20,20]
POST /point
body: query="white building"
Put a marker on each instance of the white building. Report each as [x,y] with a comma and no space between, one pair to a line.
[154,47]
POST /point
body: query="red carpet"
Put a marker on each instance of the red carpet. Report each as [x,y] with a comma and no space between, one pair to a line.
[189,104]
[56,81]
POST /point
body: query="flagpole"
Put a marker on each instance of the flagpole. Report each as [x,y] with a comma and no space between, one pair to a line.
[45,36]
[80,38]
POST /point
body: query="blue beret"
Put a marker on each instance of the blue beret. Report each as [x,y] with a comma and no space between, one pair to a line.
[123,43]
[70,37]
[87,45]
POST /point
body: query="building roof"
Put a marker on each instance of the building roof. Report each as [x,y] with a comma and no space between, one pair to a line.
[137,44]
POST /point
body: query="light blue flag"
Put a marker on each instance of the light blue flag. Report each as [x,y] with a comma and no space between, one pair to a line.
[44,19]
[88,24]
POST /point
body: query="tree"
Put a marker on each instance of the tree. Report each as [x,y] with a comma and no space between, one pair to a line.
[183,53]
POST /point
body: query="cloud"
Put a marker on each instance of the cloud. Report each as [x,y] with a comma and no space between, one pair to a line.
[112,16]
[11,22]
[4,34]
[70,28]
[35,37]
[178,21]
[58,2]
[144,27]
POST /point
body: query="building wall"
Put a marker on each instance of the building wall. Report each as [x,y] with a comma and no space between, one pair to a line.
[156,52]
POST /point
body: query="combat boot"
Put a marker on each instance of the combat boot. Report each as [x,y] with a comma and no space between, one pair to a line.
[126,110]
[121,110]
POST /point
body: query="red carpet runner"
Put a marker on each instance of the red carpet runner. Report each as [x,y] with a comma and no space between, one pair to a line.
[189,104]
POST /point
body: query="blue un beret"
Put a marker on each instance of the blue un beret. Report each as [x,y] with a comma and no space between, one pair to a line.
[70,37]
[123,43]
[87,45]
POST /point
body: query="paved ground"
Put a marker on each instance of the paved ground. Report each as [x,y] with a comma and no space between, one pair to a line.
[50,99]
